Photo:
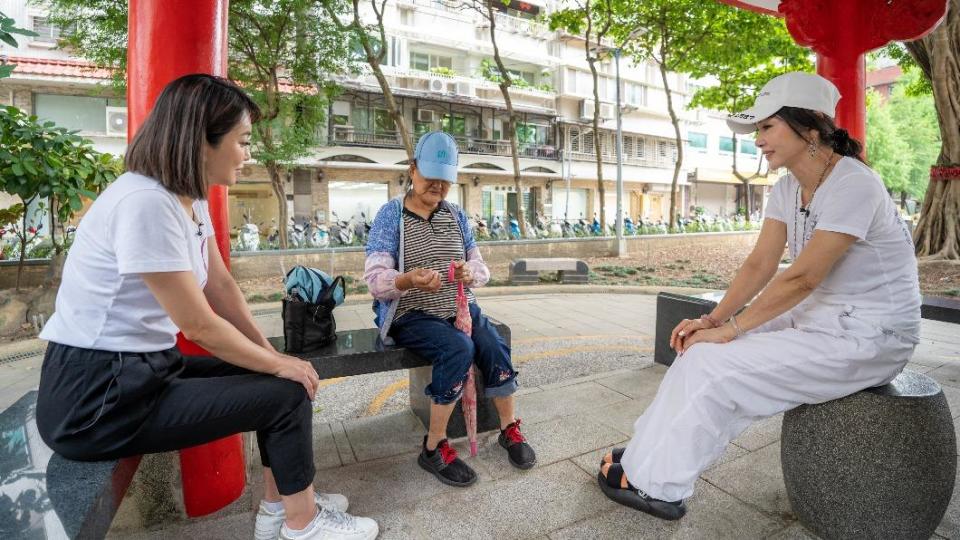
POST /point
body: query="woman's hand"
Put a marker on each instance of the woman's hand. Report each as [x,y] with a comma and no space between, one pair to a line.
[299,371]
[423,279]
[462,273]
[687,328]
[722,334]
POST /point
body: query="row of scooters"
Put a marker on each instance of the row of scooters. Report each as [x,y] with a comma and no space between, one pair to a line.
[580,228]
[307,234]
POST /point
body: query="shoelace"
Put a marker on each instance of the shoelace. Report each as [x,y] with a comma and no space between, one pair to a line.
[513,432]
[447,452]
[338,519]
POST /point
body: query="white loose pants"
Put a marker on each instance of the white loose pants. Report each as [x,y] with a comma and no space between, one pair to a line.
[715,391]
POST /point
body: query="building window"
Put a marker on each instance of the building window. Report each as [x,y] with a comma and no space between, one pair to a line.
[636,94]
[46,31]
[425,61]
[697,140]
[748,147]
[82,113]
[726,144]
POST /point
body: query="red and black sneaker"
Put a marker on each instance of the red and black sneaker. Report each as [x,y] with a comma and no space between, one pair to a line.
[520,453]
[445,465]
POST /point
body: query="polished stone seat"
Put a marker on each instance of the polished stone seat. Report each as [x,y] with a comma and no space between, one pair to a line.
[880,463]
[358,352]
[44,495]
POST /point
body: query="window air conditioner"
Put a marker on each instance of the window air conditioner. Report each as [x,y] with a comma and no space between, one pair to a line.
[424,115]
[117,121]
[464,89]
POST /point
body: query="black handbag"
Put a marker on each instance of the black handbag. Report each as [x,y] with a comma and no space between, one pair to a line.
[308,327]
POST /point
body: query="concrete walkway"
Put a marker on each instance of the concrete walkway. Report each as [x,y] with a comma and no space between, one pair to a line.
[587,373]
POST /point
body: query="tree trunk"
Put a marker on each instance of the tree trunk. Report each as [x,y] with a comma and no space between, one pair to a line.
[597,146]
[279,190]
[375,59]
[23,243]
[903,200]
[938,55]
[679,141]
[505,83]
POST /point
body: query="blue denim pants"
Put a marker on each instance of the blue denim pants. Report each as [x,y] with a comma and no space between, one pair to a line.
[451,352]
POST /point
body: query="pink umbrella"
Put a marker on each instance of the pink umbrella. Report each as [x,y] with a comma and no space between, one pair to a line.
[464,323]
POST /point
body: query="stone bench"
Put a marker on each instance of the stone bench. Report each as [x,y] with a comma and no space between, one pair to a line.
[880,463]
[44,495]
[527,271]
[673,308]
[359,352]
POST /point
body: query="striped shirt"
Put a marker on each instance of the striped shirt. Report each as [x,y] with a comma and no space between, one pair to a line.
[432,243]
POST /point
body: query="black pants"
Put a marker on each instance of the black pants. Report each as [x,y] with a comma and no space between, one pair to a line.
[97,405]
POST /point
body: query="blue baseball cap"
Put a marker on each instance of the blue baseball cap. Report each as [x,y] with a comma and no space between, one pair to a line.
[436,156]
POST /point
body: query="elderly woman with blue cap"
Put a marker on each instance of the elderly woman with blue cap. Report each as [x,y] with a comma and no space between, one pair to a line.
[411,243]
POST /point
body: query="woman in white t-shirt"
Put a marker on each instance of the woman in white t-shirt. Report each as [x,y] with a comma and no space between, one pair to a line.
[143,265]
[843,317]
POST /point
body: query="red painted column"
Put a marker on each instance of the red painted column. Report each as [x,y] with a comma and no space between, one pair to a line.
[848,72]
[169,39]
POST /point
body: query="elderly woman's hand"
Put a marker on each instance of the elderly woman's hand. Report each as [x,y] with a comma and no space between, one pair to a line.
[423,279]
[462,273]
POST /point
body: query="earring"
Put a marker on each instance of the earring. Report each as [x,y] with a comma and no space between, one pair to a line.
[812,149]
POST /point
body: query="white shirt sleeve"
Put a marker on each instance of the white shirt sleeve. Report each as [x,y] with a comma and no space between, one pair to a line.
[148,234]
[775,204]
[852,205]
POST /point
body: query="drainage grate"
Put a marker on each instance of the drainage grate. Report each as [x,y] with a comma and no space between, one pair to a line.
[9,359]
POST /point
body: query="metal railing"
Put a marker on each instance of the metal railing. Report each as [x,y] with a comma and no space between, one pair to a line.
[347,136]
[657,162]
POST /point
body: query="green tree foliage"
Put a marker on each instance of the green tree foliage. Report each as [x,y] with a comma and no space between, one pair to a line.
[41,161]
[8,30]
[282,52]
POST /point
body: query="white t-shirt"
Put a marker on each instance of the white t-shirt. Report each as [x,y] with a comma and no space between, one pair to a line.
[877,277]
[135,226]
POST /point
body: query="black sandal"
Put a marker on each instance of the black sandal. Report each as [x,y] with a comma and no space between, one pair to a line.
[635,498]
[617,455]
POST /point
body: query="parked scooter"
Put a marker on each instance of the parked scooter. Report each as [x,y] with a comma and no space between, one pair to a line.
[341,233]
[480,231]
[497,232]
[514,228]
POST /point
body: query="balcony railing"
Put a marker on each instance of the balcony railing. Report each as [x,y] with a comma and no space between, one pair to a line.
[520,25]
[347,136]
[656,162]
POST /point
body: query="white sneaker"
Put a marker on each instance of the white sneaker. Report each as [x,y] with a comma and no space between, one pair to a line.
[335,525]
[268,523]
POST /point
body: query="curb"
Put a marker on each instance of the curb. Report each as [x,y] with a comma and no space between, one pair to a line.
[27,348]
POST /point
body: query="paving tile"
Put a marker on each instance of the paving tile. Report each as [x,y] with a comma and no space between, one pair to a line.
[325,453]
[641,384]
[755,479]
[760,433]
[511,508]
[218,528]
[553,441]
[567,401]
[711,513]
[384,435]
[947,375]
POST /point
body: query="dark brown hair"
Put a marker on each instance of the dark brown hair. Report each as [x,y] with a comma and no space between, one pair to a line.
[190,110]
[801,120]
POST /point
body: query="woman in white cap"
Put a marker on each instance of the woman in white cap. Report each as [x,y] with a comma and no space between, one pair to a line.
[843,317]
[412,241]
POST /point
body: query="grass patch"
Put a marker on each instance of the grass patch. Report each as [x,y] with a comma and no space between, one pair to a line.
[952,292]
[646,269]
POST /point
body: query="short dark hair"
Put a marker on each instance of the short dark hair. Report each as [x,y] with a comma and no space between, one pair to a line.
[838,139]
[190,110]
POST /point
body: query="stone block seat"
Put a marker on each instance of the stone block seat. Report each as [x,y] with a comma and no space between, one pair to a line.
[44,495]
[358,352]
[527,271]
[880,463]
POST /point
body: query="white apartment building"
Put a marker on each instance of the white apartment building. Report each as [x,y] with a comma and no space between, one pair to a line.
[439,67]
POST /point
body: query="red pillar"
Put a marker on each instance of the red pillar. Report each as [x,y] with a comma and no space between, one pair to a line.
[847,70]
[169,39]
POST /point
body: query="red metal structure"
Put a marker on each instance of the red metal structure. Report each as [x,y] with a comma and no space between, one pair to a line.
[169,39]
[841,32]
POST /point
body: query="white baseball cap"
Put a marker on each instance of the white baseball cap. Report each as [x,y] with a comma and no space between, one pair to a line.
[795,89]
